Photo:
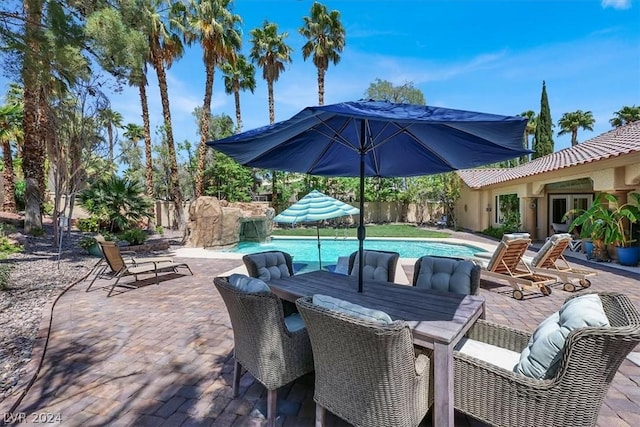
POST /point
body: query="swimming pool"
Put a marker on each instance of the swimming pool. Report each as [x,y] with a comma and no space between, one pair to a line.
[306,250]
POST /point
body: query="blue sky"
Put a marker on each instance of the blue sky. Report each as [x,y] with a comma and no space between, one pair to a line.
[488,56]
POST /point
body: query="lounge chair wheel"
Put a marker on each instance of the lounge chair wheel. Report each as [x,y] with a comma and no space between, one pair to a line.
[546,290]
[585,283]
[517,294]
[569,287]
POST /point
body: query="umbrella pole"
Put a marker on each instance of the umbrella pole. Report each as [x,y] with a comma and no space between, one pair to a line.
[319,252]
[361,229]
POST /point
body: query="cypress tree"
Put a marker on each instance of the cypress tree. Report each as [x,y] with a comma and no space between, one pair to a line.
[543,141]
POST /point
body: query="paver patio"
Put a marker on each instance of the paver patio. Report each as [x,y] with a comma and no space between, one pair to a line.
[162,355]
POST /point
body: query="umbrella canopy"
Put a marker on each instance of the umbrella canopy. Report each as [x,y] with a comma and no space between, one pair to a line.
[315,206]
[373,138]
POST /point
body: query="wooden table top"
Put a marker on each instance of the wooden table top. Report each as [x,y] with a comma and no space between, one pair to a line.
[433,316]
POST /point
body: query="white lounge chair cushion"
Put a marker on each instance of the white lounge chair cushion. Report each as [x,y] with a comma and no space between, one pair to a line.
[495,355]
[248,284]
[294,322]
[542,355]
[351,309]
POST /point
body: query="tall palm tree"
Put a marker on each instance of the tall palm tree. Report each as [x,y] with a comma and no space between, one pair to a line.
[10,126]
[133,132]
[111,120]
[238,76]
[271,53]
[165,47]
[625,115]
[211,23]
[571,122]
[529,130]
[326,39]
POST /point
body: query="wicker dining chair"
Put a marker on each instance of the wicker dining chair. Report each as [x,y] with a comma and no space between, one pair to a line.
[269,265]
[378,265]
[572,396]
[366,373]
[446,274]
[264,345]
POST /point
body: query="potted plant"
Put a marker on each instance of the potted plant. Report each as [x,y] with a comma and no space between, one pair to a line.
[90,244]
[607,222]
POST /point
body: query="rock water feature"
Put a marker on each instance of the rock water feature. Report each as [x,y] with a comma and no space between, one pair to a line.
[218,224]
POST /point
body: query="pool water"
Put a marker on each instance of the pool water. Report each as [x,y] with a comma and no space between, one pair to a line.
[306,250]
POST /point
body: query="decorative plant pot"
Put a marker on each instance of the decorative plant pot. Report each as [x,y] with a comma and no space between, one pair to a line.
[629,256]
[588,249]
[95,250]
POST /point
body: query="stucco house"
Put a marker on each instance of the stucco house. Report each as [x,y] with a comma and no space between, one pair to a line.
[549,186]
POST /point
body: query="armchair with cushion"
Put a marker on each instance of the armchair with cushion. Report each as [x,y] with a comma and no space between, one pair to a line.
[556,376]
[378,265]
[366,370]
[273,348]
[268,265]
[447,275]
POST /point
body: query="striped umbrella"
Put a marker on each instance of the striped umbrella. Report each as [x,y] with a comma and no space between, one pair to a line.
[315,207]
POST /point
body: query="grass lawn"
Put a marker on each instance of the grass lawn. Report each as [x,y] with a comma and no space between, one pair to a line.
[385,230]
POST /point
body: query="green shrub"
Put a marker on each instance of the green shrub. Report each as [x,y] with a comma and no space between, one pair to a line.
[86,242]
[116,202]
[135,236]
[19,195]
[89,225]
[38,232]
[159,229]
[6,247]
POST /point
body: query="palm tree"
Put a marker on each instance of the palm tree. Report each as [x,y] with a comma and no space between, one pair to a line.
[111,120]
[270,52]
[570,122]
[625,115]
[212,24]
[165,47]
[529,130]
[238,76]
[10,121]
[326,39]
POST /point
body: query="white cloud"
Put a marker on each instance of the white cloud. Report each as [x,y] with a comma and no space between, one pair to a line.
[616,4]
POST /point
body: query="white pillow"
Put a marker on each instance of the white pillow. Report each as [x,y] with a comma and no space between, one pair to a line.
[248,284]
[350,309]
[542,355]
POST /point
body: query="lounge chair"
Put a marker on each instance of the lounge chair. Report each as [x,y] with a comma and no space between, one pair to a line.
[506,263]
[550,260]
[120,268]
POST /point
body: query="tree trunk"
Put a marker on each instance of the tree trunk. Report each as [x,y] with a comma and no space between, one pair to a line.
[236,96]
[204,128]
[33,159]
[321,72]
[110,136]
[272,108]
[174,184]
[9,201]
[574,137]
[147,139]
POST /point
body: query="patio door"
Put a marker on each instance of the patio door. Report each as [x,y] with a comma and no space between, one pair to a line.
[559,204]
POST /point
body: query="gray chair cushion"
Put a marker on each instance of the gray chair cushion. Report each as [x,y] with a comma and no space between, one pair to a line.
[269,265]
[447,275]
[378,265]
[248,284]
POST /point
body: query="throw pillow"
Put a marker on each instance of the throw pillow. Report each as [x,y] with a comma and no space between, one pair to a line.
[350,309]
[541,357]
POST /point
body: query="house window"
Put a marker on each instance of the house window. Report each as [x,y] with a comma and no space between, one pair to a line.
[508,210]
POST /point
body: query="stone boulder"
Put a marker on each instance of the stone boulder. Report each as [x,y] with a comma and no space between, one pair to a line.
[214,223]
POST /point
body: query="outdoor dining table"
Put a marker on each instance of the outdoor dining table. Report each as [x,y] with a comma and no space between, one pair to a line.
[438,320]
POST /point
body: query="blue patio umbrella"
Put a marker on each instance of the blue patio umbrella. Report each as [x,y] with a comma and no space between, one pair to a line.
[374,138]
[315,207]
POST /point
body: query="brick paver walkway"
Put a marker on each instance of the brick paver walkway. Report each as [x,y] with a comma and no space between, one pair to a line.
[162,355]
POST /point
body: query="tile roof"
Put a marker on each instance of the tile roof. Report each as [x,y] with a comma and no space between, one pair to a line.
[614,143]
